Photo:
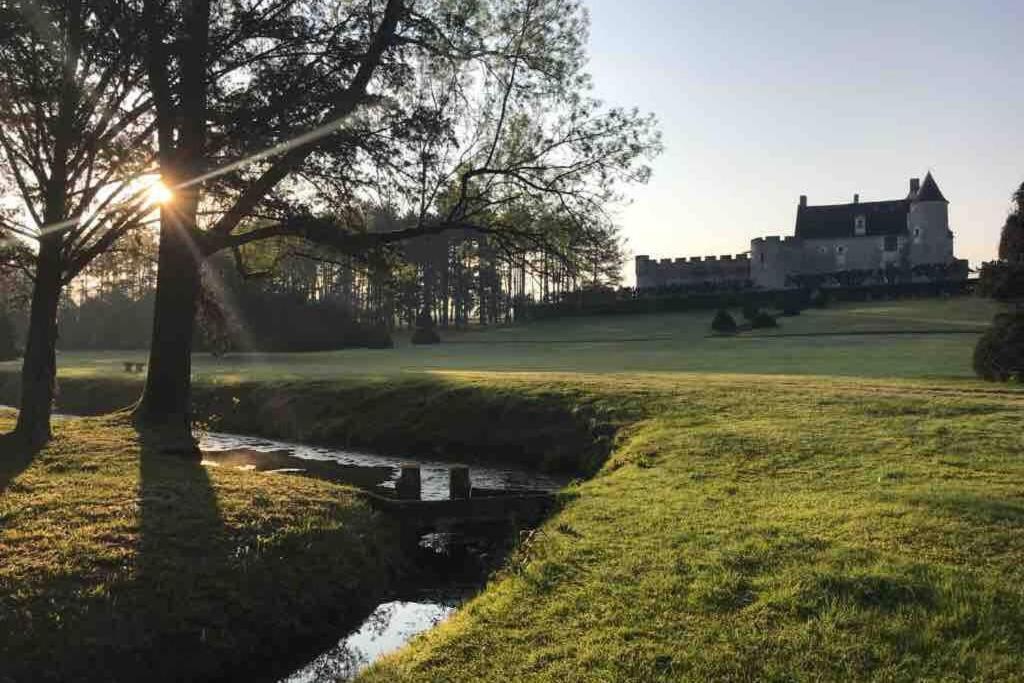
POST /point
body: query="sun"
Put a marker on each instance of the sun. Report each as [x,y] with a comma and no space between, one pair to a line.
[160,193]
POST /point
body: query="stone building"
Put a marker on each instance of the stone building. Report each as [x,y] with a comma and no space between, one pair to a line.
[868,237]
[694,271]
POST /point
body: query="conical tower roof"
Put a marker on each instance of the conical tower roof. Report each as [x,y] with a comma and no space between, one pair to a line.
[929,191]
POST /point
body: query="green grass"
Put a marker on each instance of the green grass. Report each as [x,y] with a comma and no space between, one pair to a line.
[775,529]
[117,563]
[792,509]
[642,343]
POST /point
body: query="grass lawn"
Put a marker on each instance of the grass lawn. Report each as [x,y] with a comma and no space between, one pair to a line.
[117,564]
[638,343]
[770,529]
[800,508]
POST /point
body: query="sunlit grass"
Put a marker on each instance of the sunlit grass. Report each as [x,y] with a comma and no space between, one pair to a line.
[122,565]
[768,530]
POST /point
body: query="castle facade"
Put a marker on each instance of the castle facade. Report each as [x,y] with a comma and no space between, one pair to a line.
[909,236]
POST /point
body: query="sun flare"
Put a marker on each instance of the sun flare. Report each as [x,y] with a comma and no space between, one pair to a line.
[160,193]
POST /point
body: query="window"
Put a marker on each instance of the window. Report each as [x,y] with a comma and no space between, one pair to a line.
[860,225]
[891,243]
[840,249]
[917,235]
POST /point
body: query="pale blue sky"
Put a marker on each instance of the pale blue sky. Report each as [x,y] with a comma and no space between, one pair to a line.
[762,101]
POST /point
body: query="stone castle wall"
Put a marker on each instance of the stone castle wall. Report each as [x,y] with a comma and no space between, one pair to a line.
[693,271]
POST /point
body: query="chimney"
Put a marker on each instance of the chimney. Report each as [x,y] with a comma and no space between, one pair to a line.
[803,200]
[856,199]
[915,185]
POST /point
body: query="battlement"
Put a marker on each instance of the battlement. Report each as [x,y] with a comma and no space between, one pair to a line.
[692,270]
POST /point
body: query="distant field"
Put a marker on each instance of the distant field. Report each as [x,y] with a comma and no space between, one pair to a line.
[940,343]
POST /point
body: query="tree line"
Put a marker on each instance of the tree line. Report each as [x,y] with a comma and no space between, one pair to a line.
[354,126]
[305,298]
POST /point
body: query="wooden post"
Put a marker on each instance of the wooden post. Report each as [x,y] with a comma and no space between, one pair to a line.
[459,487]
[408,486]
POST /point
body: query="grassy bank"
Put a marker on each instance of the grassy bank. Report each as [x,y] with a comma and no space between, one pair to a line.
[469,417]
[120,564]
[755,525]
[781,529]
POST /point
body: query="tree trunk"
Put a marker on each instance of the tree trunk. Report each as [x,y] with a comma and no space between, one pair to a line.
[39,368]
[165,401]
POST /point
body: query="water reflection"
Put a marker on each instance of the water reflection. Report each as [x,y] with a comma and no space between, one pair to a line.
[385,630]
[433,473]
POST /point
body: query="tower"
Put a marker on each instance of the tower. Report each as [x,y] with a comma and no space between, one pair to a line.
[931,240]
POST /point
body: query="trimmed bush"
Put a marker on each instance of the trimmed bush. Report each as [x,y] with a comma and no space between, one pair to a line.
[723,323]
[763,320]
[425,332]
[819,298]
[750,311]
[999,354]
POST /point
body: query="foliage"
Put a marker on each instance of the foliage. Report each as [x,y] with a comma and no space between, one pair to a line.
[1011,240]
[819,298]
[750,310]
[763,320]
[999,354]
[1002,280]
[425,332]
[723,322]
[8,336]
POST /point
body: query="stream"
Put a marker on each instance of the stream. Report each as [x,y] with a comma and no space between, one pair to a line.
[454,564]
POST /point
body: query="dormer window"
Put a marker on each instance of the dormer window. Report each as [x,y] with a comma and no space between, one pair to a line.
[860,225]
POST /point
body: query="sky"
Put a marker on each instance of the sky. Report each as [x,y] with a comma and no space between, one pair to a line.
[760,101]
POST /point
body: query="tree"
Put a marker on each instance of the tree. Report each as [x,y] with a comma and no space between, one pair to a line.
[463,116]
[1011,241]
[999,353]
[73,154]
[1003,279]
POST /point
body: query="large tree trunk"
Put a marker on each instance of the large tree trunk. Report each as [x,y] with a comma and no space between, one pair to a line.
[165,401]
[39,369]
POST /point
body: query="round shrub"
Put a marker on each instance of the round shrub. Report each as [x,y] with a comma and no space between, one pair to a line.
[425,332]
[819,298]
[763,320]
[750,311]
[377,336]
[723,323]
[999,354]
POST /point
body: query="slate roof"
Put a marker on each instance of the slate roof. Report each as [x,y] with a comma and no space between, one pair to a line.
[930,191]
[837,220]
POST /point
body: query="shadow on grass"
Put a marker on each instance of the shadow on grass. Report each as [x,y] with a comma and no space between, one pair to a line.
[15,457]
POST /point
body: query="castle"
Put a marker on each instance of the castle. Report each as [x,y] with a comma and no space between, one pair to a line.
[909,236]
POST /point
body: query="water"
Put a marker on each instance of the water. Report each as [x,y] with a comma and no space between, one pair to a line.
[433,473]
[384,631]
[456,562]
[451,564]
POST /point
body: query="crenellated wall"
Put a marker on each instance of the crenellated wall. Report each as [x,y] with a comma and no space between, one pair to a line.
[695,270]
